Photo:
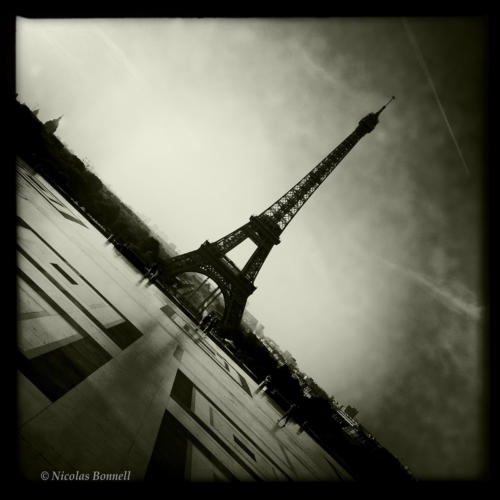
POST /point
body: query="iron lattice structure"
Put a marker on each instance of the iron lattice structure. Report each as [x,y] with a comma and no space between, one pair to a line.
[264,230]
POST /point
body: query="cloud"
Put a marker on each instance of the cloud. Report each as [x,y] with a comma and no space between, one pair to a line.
[313,65]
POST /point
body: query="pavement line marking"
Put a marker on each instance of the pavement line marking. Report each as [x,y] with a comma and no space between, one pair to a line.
[85,310]
[64,273]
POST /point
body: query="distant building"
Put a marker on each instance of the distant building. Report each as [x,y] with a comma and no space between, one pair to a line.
[347,418]
[259,331]
[353,432]
[351,411]
[51,125]
[275,346]
[270,343]
[289,359]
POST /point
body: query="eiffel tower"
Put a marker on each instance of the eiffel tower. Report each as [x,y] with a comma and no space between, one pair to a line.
[264,230]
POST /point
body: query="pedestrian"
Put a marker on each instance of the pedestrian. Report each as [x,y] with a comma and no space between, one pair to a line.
[209,324]
[215,325]
[153,272]
[263,384]
[286,416]
[147,274]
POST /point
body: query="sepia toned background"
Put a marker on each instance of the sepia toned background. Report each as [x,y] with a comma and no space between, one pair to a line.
[377,288]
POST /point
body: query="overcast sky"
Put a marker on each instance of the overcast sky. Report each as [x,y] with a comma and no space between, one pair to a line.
[376,287]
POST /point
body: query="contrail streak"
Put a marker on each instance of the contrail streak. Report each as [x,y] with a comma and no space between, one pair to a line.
[443,293]
[446,296]
[421,60]
[317,68]
[120,55]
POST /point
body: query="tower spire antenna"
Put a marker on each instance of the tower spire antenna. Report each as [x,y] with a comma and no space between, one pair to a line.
[385,105]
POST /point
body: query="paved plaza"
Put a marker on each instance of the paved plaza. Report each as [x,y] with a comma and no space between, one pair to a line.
[113,378]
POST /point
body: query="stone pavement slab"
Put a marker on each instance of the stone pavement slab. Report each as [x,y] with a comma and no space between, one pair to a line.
[114,377]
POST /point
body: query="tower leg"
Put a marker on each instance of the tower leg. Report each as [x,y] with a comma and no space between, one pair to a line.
[233,312]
